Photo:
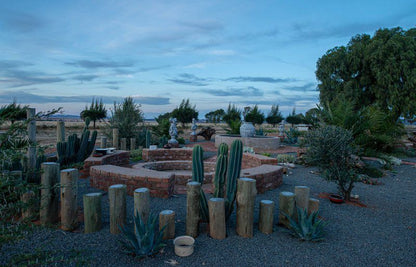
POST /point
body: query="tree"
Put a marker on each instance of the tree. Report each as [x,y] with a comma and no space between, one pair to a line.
[378,70]
[126,117]
[13,112]
[95,112]
[275,116]
[233,118]
[254,115]
[294,118]
[163,124]
[215,116]
[185,112]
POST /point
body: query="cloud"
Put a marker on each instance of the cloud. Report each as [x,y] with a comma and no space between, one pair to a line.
[93,64]
[189,79]
[260,79]
[305,87]
[85,78]
[25,97]
[244,92]
[113,87]
[224,52]
[21,22]
[145,69]
[17,78]
[11,64]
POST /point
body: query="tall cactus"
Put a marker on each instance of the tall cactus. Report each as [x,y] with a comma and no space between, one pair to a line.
[198,176]
[148,138]
[220,170]
[233,173]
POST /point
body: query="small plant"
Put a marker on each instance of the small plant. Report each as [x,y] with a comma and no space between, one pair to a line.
[307,227]
[286,158]
[136,155]
[292,136]
[146,240]
[248,149]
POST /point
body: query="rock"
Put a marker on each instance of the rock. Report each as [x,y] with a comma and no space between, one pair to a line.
[206,132]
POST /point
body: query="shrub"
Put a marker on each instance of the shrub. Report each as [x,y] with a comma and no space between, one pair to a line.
[307,227]
[136,155]
[126,117]
[254,115]
[185,112]
[330,148]
[275,116]
[285,158]
[145,240]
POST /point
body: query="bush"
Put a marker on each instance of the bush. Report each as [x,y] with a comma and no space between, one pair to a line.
[136,155]
[330,148]
[185,112]
[254,115]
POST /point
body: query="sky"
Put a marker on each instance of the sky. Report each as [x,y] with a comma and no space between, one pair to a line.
[214,52]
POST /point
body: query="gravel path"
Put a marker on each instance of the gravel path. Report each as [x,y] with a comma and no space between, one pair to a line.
[383,234]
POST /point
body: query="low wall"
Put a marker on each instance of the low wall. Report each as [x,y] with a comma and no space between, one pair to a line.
[118,158]
[162,154]
[259,143]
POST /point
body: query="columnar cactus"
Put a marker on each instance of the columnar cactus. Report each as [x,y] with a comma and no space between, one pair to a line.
[148,138]
[233,173]
[220,170]
[198,176]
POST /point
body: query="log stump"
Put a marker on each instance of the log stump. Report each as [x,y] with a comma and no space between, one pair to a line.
[69,189]
[123,143]
[246,196]
[167,218]
[29,209]
[286,206]
[192,208]
[60,131]
[115,138]
[49,193]
[313,205]
[92,212]
[142,203]
[216,208]
[302,197]
[266,216]
[117,199]
[132,143]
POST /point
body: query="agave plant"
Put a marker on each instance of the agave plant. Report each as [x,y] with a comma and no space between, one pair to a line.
[146,240]
[307,227]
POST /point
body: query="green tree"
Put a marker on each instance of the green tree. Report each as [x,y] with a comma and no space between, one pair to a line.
[13,112]
[163,124]
[95,112]
[233,118]
[275,116]
[378,70]
[126,117]
[254,115]
[185,112]
[215,116]
[294,118]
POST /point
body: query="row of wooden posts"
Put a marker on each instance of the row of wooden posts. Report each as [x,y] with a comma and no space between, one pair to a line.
[65,183]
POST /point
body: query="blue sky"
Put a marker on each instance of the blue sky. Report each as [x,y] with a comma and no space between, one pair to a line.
[63,53]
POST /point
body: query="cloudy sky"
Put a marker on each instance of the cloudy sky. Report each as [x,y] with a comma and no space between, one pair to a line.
[63,53]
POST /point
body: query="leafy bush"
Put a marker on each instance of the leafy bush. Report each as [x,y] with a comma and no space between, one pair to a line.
[330,148]
[146,240]
[136,155]
[234,127]
[307,227]
[292,136]
[285,158]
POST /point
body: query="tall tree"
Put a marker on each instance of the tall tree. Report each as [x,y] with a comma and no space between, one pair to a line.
[126,117]
[275,116]
[254,115]
[95,112]
[185,112]
[294,118]
[215,116]
[13,112]
[378,70]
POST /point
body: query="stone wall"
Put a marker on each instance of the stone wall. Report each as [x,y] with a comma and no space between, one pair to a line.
[118,158]
[161,154]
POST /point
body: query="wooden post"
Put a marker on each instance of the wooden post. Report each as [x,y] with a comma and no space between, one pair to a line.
[192,208]
[103,142]
[115,138]
[287,206]
[69,206]
[49,193]
[266,216]
[31,126]
[31,153]
[216,207]
[60,131]
[302,197]
[29,209]
[123,143]
[313,205]
[132,143]
[117,199]
[142,203]
[246,196]
[92,212]
[167,217]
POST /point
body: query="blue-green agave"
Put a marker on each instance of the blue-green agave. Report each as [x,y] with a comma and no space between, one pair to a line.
[307,227]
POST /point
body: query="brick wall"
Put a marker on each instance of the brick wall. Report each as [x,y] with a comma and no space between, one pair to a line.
[118,158]
[161,154]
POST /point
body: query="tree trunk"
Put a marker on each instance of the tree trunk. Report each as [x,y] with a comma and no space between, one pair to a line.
[117,199]
[49,193]
[192,208]
[69,189]
[142,203]
[92,212]
[266,216]
[167,217]
[216,208]
[246,196]
[286,206]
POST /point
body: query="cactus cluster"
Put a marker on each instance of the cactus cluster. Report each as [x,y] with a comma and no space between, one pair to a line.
[226,174]
[76,149]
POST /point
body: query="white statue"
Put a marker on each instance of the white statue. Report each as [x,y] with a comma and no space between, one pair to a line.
[193,127]
[173,131]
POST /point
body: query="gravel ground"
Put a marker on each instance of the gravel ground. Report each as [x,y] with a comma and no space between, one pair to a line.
[382,234]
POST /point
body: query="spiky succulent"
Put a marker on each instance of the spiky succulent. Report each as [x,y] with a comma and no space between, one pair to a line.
[145,240]
[307,227]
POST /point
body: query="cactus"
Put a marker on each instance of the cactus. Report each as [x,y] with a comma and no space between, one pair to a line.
[198,176]
[233,172]
[148,138]
[220,170]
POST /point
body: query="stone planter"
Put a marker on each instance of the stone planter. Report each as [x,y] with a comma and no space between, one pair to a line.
[184,245]
[247,129]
